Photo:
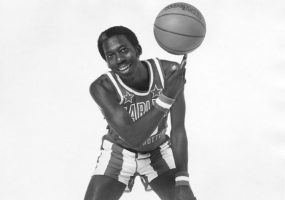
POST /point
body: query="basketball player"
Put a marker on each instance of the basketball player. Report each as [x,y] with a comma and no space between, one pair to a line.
[136,97]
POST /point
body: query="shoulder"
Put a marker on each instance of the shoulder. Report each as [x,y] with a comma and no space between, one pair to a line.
[101,86]
[101,82]
[166,65]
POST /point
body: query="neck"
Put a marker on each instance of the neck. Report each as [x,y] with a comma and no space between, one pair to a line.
[140,80]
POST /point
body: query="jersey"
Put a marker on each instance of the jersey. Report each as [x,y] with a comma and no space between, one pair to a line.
[138,103]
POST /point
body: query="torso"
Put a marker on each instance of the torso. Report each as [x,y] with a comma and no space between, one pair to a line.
[138,103]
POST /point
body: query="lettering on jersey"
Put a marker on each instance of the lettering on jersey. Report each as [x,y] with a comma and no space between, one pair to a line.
[154,138]
[141,107]
[136,110]
[156,91]
[133,111]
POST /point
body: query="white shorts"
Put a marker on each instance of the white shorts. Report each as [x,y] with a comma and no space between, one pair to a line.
[123,165]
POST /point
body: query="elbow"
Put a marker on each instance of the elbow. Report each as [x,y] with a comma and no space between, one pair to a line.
[129,136]
[179,130]
[135,141]
[178,133]
[135,144]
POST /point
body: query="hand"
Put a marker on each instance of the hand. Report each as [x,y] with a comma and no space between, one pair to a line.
[175,80]
[184,192]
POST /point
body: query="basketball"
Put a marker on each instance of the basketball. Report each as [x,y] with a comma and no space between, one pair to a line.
[179,28]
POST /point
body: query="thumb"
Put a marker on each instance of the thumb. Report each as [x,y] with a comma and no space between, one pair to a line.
[171,71]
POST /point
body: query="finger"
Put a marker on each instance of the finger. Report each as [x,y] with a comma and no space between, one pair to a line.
[184,76]
[185,56]
[184,61]
[183,72]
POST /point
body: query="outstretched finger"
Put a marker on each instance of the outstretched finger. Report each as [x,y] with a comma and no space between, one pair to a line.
[184,61]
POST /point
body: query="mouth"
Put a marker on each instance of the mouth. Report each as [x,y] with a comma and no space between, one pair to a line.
[124,68]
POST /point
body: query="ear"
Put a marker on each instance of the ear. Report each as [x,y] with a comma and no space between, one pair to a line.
[139,50]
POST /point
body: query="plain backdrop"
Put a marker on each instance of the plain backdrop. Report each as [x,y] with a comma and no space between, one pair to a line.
[51,128]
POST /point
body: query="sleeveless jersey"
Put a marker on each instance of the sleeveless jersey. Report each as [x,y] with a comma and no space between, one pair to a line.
[138,103]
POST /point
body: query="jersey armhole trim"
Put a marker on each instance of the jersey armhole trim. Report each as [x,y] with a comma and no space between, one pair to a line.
[160,70]
[116,86]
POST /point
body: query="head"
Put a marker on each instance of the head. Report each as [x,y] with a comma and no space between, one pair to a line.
[121,50]
[118,30]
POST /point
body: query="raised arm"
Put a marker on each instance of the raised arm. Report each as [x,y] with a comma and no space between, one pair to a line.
[179,145]
[178,133]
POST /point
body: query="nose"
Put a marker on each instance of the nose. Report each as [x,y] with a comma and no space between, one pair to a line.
[119,58]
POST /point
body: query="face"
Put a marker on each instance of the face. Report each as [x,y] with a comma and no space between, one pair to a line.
[121,56]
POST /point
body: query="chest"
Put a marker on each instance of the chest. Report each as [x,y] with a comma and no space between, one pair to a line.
[138,104]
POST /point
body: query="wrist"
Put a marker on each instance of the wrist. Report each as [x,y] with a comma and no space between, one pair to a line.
[182,178]
[163,103]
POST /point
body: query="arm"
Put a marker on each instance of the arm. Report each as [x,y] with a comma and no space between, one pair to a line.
[179,144]
[118,118]
[178,134]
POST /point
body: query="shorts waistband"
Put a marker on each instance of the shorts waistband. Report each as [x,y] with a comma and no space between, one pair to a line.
[107,145]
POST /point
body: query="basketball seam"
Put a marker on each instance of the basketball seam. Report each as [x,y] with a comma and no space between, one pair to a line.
[196,36]
[188,50]
[203,24]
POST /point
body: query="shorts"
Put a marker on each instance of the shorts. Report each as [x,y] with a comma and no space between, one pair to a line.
[124,165]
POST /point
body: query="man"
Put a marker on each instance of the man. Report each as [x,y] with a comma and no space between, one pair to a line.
[135,98]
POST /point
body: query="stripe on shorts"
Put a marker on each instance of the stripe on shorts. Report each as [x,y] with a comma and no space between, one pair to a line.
[145,167]
[110,161]
[158,163]
[167,155]
[128,168]
[162,159]
[102,162]
[114,167]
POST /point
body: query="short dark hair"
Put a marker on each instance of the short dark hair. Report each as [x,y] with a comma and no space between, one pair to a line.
[118,30]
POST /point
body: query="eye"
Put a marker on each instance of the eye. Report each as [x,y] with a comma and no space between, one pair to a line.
[109,56]
[124,50]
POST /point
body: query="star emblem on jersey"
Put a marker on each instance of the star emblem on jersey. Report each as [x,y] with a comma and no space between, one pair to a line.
[156,91]
[128,97]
